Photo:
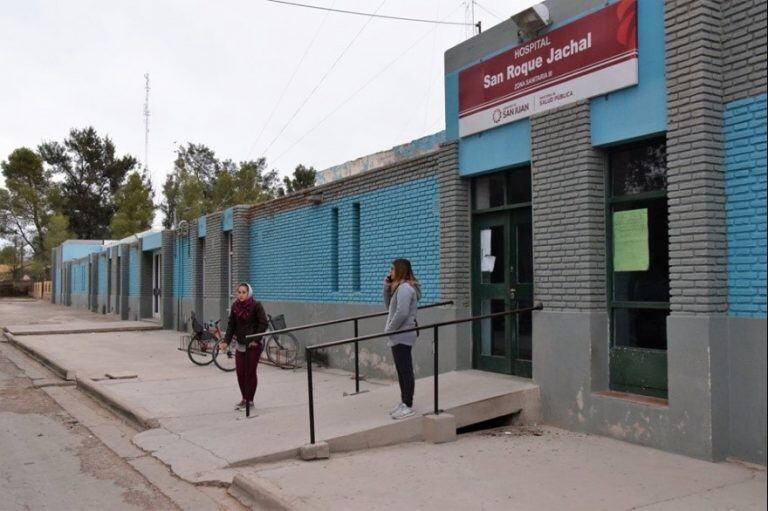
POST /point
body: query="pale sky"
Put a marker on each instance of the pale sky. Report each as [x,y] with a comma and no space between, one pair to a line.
[217,70]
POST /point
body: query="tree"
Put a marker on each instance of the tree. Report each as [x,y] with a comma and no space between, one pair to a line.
[200,184]
[25,203]
[192,203]
[135,209]
[303,177]
[170,200]
[91,175]
[9,256]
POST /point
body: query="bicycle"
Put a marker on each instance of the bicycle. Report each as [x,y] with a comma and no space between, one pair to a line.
[281,349]
[203,347]
[203,341]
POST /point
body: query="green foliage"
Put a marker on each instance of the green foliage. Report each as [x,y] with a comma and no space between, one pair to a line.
[200,184]
[25,204]
[303,177]
[9,256]
[135,210]
[91,175]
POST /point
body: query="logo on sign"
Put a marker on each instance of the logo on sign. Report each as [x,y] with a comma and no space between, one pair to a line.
[508,111]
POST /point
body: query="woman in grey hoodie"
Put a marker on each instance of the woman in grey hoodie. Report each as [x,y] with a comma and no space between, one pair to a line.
[402,293]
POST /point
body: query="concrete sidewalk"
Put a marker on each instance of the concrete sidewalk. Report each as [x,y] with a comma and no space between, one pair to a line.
[511,468]
[194,430]
[188,410]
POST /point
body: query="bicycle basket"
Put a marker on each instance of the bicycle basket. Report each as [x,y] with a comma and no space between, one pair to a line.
[278,322]
[197,327]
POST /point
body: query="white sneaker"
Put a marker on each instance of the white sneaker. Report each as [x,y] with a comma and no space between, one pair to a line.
[396,408]
[403,412]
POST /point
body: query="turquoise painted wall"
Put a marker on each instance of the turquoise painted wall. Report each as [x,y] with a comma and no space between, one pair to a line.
[103,275]
[292,253]
[744,126]
[152,241]
[202,223]
[79,277]
[639,111]
[133,271]
[71,251]
[227,219]
[182,264]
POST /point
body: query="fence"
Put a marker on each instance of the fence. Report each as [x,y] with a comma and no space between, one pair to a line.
[42,290]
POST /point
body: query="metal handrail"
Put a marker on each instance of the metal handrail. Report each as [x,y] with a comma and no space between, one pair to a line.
[436,340]
[355,319]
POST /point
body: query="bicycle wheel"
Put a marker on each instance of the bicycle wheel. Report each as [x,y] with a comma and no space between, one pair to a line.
[200,352]
[225,360]
[282,350]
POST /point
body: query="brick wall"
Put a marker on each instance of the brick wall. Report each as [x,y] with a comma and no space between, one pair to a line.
[744,49]
[216,296]
[114,275]
[568,211]
[182,266]
[79,277]
[745,167]
[432,225]
[744,128]
[134,276]
[291,252]
[166,285]
[454,228]
[196,248]
[241,257]
[697,245]
[103,274]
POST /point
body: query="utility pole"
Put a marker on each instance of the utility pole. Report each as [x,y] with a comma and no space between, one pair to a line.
[146,123]
[473,13]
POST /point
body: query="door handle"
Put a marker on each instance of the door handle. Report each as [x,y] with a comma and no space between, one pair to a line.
[512,292]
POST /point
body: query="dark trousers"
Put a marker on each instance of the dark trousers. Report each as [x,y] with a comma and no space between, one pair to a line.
[404,366]
[246,363]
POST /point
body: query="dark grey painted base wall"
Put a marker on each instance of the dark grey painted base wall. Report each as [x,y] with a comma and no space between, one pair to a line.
[375,356]
[747,393]
[79,301]
[717,385]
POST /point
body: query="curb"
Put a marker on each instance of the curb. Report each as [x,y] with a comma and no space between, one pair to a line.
[256,494]
[47,362]
[92,331]
[137,416]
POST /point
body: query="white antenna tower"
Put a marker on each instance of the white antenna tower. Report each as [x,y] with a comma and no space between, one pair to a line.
[146,123]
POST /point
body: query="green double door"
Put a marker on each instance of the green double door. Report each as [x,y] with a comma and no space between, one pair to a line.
[502,279]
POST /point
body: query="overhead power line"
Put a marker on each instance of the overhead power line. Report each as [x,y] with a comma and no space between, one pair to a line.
[492,13]
[358,13]
[322,79]
[360,89]
[290,82]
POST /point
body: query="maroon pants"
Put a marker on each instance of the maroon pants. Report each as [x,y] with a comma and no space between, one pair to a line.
[246,363]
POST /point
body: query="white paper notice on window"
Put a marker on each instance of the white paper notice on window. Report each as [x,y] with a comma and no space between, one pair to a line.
[485,243]
[487,263]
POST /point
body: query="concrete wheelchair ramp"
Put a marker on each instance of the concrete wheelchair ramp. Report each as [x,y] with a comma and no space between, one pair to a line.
[206,450]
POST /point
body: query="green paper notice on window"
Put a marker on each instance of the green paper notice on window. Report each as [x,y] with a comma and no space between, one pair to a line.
[630,240]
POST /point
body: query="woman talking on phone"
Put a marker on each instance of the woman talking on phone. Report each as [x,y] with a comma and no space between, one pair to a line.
[402,293]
